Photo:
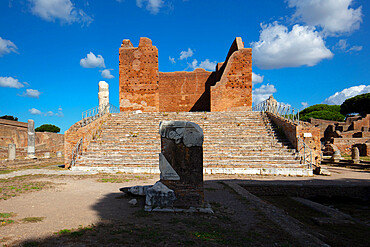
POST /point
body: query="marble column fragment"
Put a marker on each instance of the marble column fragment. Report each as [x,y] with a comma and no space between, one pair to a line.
[355,155]
[181,161]
[103,95]
[11,152]
[31,139]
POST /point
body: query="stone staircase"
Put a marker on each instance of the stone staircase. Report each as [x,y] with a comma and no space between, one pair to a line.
[234,143]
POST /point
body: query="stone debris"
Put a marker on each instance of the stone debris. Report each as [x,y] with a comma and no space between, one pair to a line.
[336,157]
[160,195]
[133,202]
[59,154]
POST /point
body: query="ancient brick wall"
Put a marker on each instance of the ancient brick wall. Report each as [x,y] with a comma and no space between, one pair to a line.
[138,76]
[184,91]
[75,133]
[14,132]
[143,87]
[293,131]
[233,92]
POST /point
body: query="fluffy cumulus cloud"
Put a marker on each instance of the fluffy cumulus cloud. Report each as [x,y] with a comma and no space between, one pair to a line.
[279,48]
[34,111]
[186,54]
[106,74]
[206,64]
[262,93]
[31,93]
[256,78]
[333,16]
[339,97]
[11,82]
[92,61]
[172,60]
[63,10]
[304,104]
[6,46]
[153,6]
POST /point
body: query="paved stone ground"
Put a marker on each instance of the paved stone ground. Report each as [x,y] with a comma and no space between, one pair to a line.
[78,200]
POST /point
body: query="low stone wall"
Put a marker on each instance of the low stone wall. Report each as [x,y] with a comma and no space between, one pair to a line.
[14,132]
[75,133]
[307,132]
[345,144]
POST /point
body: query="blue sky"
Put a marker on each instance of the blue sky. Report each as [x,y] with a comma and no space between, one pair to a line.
[53,53]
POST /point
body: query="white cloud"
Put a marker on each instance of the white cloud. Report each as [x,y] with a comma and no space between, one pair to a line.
[49,114]
[262,93]
[355,48]
[153,6]
[92,61]
[32,93]
[172,60]
[34,111]
[60,112]
[11,82]
[256,78]
[279,48]
[206,64]
[339,97]
[333,16]
[6,46]
[342,44]
[186,54]
[106,74]
[64,10]
[304,104]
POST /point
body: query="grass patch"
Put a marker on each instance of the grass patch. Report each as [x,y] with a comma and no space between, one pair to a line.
[6,215]
[5,222]
[33,219]
[209,236]
[76,232]
[15,186]
[5,171]
[210,189]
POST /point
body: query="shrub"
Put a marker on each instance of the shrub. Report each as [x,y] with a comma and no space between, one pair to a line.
[322,111]
[358,104]
[48,128]
[9,118]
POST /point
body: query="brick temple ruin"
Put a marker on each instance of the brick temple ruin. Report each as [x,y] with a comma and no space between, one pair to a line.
[143,87]
[237,140]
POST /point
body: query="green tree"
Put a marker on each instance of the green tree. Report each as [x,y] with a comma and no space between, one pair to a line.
[322,111]
[358,104]
[47,128]
[9,118]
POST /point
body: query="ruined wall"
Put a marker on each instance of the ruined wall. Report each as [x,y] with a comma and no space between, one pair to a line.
[14,132]
[184,91]
[138,76]
[233,92]
[292,131]
[143,87]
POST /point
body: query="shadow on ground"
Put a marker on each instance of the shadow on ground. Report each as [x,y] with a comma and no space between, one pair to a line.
[236,222]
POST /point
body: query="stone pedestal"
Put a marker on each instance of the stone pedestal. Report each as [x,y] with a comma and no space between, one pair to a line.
[11,152]
[336,157]
[181,162]
[31,140]
[103,95]
[355,155]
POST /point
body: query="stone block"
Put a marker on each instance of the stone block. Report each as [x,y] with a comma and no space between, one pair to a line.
[182,150]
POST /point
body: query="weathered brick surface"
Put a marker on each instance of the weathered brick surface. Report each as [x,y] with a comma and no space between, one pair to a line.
[292,131]
[233,92]
[143,87]
[75,133]
[184,91]
[139,76]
